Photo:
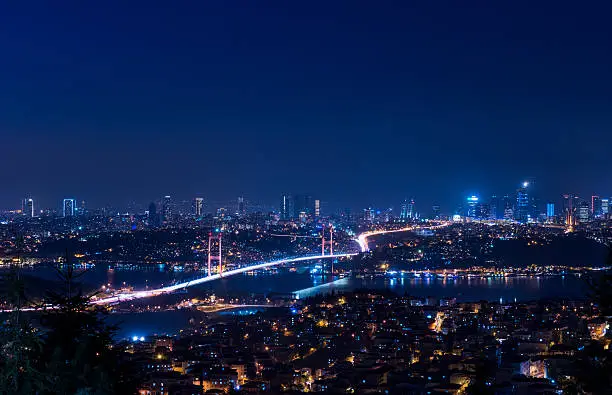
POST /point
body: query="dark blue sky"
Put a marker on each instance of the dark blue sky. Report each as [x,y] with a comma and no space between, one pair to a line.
[355,102]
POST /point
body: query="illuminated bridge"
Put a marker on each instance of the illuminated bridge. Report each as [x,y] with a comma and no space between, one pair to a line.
[362,240]
[124,297]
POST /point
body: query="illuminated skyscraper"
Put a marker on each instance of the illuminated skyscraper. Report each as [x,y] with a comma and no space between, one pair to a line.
[198,207]
[596,209]
[495,209]
[27,207]
[166,211]
[368,214]
[550,211]
[68,207]
[303,203]
[411,210]
[471,204]
[404,210]
[317,208]
[605,206]
[522,212]
[241,206]
[435,211]
[286,208]
[583,212]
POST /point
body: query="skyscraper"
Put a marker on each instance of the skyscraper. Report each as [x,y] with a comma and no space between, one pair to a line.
[286,208]
[27,207]
[471,203]
[241,206]
[411,211]
[583,212]
[435,211]
[569,206]
[523,209]
[494,206]
[404,210]
[368,214]
[153,216]
[198,207]
[550,211]
[317,208]
[68,207]
[303,204]
[605,206]
[596,209]
[166,211]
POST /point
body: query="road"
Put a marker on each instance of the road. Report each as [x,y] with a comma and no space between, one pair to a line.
[125,297]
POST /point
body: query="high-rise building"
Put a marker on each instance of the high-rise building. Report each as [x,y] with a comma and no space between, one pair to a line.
[317,208]
[605,206]
[68,207]
[583,212]
[198,207]
[496,211]
[286,208]
[569,207]
[435,211]
[27,207]
[596,209]
[241,206]
[303,203]
[166,210]
[411,209]
[368,214]
[483,211]
[471,203]
[404,210]
[152,215]
[407,210]
[550,211]
[523,209]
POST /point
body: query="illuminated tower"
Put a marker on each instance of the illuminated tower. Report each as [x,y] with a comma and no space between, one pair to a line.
[68,207]
[404,210]
[166,210]
[596,206]
[317,208]
[27,207]
[472,203]
[522,212]
[241,206]
[286,208]
[410,210]
[217,257]
[198,207]
[329,242]
[605,206]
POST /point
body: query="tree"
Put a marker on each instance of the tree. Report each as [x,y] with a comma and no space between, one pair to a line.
[78,354]
[20,343]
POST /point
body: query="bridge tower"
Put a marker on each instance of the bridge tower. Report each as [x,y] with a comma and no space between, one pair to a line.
[324,242]
[216,258]
[330,243]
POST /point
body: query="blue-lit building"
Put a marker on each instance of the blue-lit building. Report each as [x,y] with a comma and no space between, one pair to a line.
[550,211]
[522,212]
[605,206]
[471,206]
[68,207]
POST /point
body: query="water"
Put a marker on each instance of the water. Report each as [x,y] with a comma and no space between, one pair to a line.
[304,285]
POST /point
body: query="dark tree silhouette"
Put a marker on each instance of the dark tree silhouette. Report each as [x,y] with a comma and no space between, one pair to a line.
[78,354]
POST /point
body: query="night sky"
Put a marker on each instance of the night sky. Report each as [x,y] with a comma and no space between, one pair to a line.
[357,103]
